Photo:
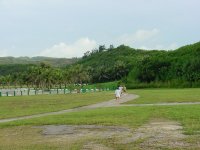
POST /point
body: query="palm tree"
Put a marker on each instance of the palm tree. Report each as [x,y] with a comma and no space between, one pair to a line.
[2,81]
[8,80]
[80,74]
[58,77]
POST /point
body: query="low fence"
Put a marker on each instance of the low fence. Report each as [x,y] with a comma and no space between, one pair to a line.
[26,92]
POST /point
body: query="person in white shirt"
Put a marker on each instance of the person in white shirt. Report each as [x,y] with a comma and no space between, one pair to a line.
[117,93]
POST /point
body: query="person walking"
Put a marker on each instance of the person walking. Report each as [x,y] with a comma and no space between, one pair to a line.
[117,93]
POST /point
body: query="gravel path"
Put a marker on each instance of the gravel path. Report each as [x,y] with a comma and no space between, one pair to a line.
[163,104]
[112,103]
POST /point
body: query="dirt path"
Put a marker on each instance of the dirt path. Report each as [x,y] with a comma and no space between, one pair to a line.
[112,103]
[159,134]
[163,104]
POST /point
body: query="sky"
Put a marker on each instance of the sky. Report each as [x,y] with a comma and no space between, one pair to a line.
[68,28]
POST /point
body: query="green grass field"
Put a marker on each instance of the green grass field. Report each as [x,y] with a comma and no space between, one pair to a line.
[189,116]
[149,96]
[23,136]
[28,105]
[132,117]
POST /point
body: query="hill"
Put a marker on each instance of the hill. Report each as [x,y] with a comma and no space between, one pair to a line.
[116,63]
[136,67]
[156,67]
[56,62]
[10,65]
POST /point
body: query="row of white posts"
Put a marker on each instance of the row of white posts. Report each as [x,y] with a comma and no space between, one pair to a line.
[22,92]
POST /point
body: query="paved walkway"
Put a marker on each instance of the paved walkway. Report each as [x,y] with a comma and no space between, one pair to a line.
[111,103]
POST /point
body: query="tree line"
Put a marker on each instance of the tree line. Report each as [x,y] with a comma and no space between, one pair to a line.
[135,67]
[44,76]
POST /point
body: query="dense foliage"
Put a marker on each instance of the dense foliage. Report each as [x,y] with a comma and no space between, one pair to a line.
[179,68]
[7,69]
[137,68]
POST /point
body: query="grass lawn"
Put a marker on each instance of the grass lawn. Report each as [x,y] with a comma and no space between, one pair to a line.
[134,117]
[148,96]
[28,105]
[21,135]
[188,116]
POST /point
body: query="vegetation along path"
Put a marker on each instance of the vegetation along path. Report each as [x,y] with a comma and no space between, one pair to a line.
[111,103]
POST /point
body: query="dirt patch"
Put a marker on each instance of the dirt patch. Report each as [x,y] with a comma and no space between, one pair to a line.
[156,134]
[87,133]
[159,134]
[95,146]
[78,131]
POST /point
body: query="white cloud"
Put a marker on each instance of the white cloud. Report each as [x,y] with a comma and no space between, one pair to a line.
[76,49]
[146,39]
[138,37]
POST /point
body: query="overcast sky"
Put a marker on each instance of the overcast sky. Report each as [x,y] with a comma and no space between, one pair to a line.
[68,28]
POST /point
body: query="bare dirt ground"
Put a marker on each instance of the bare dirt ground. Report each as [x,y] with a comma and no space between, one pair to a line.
[159,134]
[81,132]
[154,135]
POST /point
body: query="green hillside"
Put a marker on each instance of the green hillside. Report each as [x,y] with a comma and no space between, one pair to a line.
[10,65]
[6,69]
[56,62]
[180,67]
[116,63]
[134,67]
